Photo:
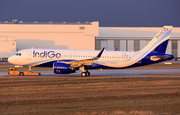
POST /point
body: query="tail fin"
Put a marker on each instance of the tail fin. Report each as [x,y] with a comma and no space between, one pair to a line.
[161,48]
[159,42]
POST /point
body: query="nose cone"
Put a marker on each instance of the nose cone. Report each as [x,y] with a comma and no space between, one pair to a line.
[11,60]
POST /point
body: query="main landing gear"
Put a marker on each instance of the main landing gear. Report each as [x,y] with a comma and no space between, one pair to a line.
[85,74]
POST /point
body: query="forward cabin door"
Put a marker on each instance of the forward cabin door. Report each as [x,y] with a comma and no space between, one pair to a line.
[28,55]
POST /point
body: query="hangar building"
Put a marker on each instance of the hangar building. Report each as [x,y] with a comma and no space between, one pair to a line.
[15,36]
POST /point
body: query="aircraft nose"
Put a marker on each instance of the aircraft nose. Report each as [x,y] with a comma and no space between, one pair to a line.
[10,60]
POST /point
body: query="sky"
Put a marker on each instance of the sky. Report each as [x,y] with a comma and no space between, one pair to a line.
[109,13]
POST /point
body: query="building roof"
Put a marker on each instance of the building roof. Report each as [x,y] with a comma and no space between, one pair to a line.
[35,22]
[139,32]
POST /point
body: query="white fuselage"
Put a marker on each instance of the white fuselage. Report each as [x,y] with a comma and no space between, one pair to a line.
[34,57]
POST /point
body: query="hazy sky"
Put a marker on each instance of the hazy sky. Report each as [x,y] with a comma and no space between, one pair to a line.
[118,13]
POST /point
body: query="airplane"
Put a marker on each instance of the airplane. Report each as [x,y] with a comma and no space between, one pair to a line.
[69,61]
[115,49]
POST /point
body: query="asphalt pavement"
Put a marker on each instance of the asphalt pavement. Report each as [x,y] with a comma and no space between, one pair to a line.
[107,73]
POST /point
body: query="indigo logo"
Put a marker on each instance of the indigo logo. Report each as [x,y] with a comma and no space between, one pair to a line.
[46,54]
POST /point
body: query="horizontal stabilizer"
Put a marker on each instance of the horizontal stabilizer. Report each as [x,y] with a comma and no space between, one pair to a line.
[156,58]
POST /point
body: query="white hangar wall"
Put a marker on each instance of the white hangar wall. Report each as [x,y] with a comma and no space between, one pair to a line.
[48,35]
[7,47]
[134,38]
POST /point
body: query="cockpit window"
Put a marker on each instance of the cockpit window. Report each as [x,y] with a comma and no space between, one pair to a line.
[18,54]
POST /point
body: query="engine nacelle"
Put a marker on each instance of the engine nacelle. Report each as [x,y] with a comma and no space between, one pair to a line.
[62,68]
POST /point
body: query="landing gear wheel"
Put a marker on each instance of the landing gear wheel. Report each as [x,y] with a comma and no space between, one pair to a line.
[83,74]
[21,74]
[87,73]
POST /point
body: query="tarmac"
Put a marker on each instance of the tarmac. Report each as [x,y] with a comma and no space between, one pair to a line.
[104,73]
[107,73]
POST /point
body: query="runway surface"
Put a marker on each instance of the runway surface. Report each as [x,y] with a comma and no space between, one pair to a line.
[108,73]
[98,73]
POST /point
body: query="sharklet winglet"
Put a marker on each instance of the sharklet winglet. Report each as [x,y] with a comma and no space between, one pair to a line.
[99,54]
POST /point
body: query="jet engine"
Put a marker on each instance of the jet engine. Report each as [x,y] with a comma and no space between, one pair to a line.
[62,68]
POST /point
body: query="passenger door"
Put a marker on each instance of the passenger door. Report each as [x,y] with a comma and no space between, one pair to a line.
[28,55]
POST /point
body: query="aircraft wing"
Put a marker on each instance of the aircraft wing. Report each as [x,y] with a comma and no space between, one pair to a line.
[79,63]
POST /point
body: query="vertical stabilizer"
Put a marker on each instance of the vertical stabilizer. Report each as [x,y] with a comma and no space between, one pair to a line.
[160,41]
